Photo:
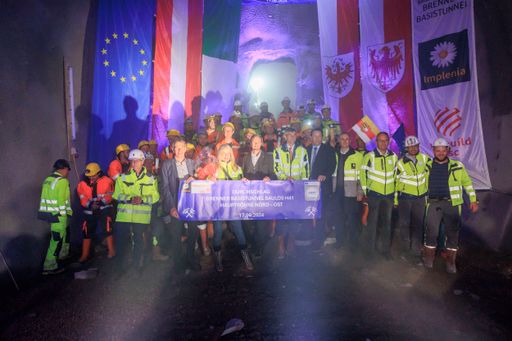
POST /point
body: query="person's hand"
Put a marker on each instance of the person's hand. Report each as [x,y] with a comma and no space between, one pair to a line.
[266,179]
[321,178]
[174,213]
[190,178]
[473,207]
[95,206]
[211,178]
[290,178]
[359,197]
[136,200]
[245,179]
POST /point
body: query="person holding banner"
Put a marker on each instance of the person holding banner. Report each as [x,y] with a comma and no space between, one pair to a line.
[446,179]
[227,169]
[258,165]
[411,187]
[174,171]
[322,164]
[378,183]
[291,162]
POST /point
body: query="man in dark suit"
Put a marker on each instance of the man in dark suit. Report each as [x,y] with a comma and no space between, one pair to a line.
[173,171]
[257,165]
[322,160]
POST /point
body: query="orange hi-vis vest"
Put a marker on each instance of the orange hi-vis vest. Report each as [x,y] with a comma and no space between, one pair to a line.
[115,169]
[166,154]
[99,191]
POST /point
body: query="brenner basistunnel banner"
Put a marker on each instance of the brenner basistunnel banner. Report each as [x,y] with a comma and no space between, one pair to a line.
[446,82]
[249,200]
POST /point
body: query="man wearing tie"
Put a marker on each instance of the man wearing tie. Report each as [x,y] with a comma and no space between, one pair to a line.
[322,164]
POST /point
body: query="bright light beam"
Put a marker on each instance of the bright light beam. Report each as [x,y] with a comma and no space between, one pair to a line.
[256,83]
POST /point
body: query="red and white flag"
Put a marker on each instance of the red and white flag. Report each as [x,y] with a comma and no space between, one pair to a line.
[339,48]
[386,64]
[177,65]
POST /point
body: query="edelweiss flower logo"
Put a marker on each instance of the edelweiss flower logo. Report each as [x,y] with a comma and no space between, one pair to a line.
[444,54]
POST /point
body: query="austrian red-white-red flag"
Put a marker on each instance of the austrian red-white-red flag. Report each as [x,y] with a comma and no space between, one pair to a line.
[177,64]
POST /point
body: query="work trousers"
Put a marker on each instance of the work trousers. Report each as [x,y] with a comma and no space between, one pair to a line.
[236,227]
[59,244]
[129,234]
[92,221]
[192,232]
[256,233]
[411,212]
[348,218]
[442,211]
[380,209]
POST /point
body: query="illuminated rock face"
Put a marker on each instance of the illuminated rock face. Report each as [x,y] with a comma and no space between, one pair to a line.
[287,33]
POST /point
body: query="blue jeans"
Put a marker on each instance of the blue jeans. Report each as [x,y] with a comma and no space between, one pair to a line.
[236,228]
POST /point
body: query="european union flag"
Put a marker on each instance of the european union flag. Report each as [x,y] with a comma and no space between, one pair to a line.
[122,77]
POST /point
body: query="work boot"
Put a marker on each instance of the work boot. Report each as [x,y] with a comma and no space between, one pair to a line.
[247,260]
[157,254]
[451,255]
[110,246]
[429,253]
[86,248]
[218,261]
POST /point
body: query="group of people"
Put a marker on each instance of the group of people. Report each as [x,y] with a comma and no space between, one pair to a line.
[136,200]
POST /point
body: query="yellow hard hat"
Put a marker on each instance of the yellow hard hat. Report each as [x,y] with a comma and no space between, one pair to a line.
[142,143]
[92,169]
[152,143]
[190,146]
[249,131]
[173,132]
[228,124]
[122,148]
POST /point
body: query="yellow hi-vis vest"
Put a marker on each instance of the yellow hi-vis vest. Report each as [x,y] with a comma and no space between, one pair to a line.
[411,178]
[55,198]
[378,173]
[287,165]
[128,186]
[226,172]
[458,178]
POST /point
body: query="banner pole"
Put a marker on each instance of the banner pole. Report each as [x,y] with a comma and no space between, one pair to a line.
[9,271]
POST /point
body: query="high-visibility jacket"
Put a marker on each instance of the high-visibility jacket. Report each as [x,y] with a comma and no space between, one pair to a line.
[128,186]
[411,178]
[99,191]
[351,168]
[378,173]
[458,179]
[294,165]
[55,198]
[226,172]
[115,168]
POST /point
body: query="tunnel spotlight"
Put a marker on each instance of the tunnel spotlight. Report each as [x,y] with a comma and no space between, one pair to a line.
[256,83]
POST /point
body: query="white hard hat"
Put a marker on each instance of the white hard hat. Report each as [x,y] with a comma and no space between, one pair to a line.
[237,103]
[411,140]
[440,142]
[326,106]
[136,154]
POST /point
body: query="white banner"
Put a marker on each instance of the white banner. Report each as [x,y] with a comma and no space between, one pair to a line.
[446,82]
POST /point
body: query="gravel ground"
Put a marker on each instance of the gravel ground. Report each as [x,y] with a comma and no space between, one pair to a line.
[330,295]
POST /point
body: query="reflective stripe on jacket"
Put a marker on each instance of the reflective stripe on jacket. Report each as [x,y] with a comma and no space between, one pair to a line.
[458,179]
[295,166]
[378,172]
[55,198]
[411,178]
[128,186]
